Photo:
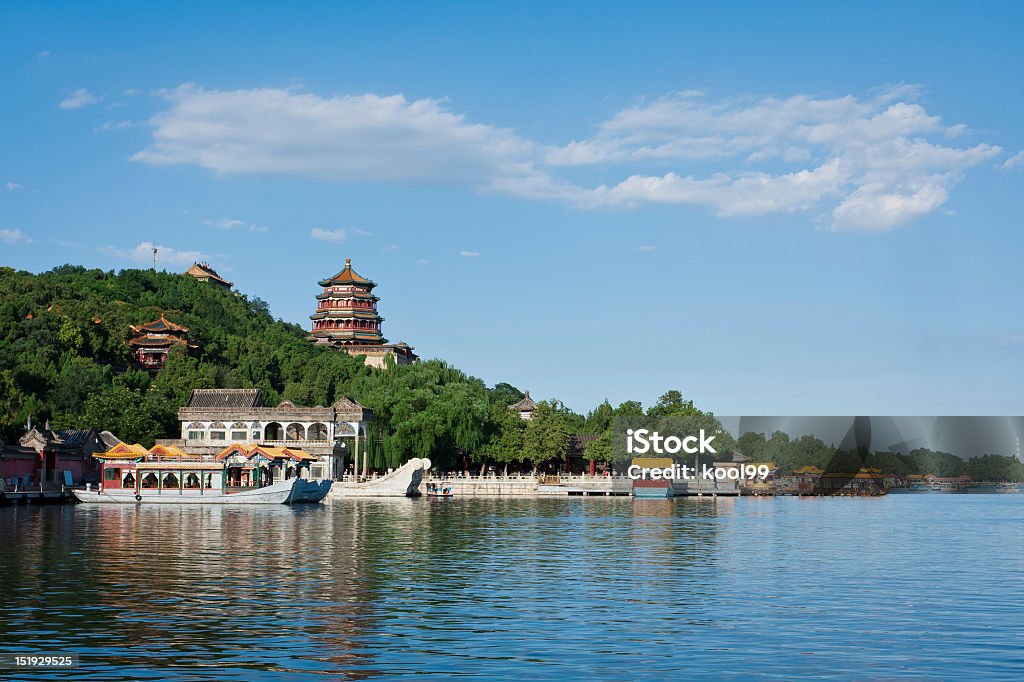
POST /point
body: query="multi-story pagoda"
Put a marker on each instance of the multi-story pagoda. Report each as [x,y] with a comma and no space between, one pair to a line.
[346,317]
[151,342]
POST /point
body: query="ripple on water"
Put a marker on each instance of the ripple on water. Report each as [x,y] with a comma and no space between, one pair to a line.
[898,587]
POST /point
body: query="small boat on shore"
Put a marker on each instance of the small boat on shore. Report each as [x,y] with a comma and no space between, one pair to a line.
[443,489]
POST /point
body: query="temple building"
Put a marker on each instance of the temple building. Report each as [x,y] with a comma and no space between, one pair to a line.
[151,342]
[346,318]
[204,273]
[45,455]
[525,407]
[215,418]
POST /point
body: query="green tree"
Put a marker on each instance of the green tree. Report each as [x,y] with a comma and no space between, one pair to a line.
[124,412]
[630,408]
[599,419]
[70,336]
[995,468]
[671,404]
[547,435]
[599,450]
[12,403]
[505,443]
[504,394]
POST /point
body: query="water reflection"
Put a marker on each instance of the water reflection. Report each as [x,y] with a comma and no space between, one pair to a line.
[605,588]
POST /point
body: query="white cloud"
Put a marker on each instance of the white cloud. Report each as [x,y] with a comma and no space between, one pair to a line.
[78,99]
[233,223]
[872,159]
[873,208]
[744,194]
[469,254]
[350,138]
[390,248]
[166,255]
[645,248]
[1014,161]
[333,236]
[114,125]
[15,237]
[44,54]
[422,261]
[872,163]
[11,185]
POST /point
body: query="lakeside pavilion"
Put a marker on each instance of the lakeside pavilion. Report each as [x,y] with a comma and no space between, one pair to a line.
[346,318]
[337,434]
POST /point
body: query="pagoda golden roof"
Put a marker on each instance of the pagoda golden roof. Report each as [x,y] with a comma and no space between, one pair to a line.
[347,276]
[161,326]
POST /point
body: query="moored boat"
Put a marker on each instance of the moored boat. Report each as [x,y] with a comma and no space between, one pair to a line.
[237,475]
[276,493]
[442,489]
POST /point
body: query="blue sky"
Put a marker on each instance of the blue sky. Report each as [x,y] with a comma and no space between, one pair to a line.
[805,210]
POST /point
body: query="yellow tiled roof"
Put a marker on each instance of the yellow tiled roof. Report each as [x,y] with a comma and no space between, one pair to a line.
[300,454]
[134,450]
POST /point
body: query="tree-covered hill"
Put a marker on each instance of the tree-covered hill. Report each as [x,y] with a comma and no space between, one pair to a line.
[64,357]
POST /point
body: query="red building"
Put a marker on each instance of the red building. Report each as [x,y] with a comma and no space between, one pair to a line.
[151,342]
[346,317]
[43,455]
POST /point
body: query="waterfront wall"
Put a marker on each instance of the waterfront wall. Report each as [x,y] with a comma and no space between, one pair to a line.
[477,486]
[531,486]
[413,478]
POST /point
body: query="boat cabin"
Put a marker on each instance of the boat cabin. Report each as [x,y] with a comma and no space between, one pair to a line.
[170,470]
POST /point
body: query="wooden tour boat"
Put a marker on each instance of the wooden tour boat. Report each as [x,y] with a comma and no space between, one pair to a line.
[240,474]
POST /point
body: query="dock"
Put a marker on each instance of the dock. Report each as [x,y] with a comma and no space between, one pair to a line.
[47,493]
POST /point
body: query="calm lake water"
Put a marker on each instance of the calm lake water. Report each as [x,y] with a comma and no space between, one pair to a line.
[906,586]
